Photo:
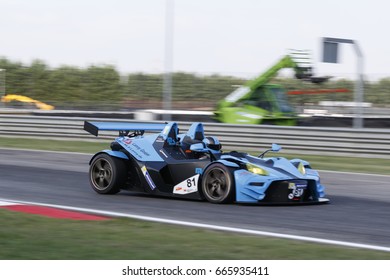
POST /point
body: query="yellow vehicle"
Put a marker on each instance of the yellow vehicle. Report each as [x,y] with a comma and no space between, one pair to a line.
[25,99]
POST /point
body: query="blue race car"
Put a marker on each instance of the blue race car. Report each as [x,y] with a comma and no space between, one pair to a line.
[192,166]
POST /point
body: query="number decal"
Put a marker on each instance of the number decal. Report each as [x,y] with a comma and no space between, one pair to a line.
[296,191]
[191,182]
[189,185]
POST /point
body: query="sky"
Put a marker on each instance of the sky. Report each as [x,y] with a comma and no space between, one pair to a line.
[227,37]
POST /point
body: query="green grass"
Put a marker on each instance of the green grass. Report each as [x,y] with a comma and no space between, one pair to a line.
[53,145]
[365,165]
[351,164]
[24,236]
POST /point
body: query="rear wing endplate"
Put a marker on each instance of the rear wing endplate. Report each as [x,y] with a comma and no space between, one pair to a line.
[122,127]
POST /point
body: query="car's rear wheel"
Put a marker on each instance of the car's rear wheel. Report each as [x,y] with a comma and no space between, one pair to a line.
[218,184]
[107,174]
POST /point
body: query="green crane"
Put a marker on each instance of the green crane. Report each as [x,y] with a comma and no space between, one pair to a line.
[258,102]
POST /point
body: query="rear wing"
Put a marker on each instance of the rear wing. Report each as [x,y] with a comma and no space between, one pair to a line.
[121,127]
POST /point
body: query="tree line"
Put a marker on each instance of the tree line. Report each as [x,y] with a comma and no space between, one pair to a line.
[102,87]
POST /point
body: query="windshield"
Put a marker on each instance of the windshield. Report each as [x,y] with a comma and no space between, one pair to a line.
[261,99]
[270,98]
[281,100]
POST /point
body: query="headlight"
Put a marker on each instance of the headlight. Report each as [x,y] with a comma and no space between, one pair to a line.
[301,168]
[256,169]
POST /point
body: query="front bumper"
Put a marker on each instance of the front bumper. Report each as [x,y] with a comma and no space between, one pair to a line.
[251,188]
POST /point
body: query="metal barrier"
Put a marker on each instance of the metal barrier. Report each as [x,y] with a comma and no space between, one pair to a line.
[374,143]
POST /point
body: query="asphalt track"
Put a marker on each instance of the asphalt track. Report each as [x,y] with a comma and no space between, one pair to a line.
[358,212]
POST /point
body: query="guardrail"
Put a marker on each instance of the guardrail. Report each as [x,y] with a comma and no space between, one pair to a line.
[253,138]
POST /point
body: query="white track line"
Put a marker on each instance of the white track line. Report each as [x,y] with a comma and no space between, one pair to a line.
[208,226]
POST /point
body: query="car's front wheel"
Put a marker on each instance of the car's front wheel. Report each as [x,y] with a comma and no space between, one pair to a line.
[107,174]
[218,184]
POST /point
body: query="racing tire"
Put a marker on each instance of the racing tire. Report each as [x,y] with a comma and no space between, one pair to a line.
[107,174]
[218,184]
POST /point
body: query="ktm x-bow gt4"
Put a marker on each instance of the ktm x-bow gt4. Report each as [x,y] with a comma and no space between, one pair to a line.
[192,165]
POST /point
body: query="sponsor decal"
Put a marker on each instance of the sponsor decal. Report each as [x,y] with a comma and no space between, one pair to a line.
[297,190]
[139,152]
[198,170]
[148,178]
[187,186]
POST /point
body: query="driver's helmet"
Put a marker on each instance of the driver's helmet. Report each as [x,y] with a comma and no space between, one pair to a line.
[212,143]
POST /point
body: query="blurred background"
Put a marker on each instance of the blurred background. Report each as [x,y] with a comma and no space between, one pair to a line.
[117,56]
[103,87]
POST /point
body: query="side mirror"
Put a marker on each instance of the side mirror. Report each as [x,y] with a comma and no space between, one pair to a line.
[275,147]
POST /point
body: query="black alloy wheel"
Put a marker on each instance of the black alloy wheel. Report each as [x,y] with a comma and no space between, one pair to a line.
[107,174]
[218,184]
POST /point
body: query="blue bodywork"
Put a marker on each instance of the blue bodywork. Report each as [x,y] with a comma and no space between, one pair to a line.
[184,158]
[251,188]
